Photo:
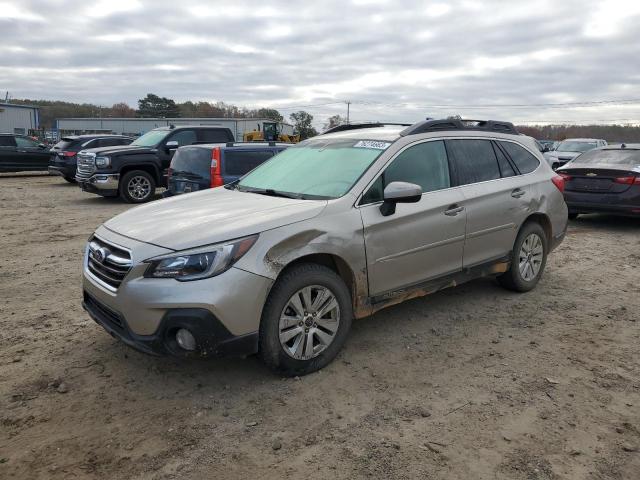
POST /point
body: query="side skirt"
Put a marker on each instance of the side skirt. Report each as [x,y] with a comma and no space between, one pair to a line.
[394,297]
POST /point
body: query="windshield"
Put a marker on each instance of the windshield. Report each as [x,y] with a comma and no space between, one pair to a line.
[150,139]
[317,168]
[610,157]
[576,146]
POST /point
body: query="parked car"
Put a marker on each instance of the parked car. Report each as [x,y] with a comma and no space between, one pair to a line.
[570,148]
[334,228]
[605,180]
[198,167]
[547,145]
[64,160]
[134,171]
[20,153]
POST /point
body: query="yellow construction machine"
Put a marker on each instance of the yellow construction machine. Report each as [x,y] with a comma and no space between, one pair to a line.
[269,133]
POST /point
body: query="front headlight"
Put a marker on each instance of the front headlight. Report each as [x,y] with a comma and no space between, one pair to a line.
[103,161]
[195,265]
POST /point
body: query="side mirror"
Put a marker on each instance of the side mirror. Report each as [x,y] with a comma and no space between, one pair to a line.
[399,192]
[545,148]
[171,145]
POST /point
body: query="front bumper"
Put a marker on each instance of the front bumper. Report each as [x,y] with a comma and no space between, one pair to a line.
[222,312]
[99,183]
[212,338]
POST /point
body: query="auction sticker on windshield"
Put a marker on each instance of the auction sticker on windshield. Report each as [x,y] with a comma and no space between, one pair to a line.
[372,144]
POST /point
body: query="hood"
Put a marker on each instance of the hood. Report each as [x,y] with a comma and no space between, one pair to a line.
[210,216]
[119,150]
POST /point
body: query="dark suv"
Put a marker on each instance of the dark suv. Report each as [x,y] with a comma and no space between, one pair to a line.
[198,167]
[133,171]
[64,161]
[22,153]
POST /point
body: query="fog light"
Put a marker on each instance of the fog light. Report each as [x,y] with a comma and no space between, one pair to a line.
[186,339]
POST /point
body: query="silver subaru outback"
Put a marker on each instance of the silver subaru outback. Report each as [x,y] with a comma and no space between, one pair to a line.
[280,262]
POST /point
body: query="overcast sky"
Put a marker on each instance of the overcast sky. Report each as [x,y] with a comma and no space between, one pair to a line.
[395,60]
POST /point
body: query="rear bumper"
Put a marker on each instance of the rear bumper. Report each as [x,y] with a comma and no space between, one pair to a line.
[625,203]
[63,169]
[101,184]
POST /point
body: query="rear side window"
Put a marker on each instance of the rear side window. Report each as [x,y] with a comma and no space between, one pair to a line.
[212,135]
[475,160]
[194,160]
[505,166]
[183,137]
[239,162]
[7,141]
[424,164]
[525,162]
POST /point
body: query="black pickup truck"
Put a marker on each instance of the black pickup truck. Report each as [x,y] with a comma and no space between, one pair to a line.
[134,171]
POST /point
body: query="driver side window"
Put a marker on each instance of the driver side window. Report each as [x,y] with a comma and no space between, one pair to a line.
[183,137]
[24,142]
[424,164]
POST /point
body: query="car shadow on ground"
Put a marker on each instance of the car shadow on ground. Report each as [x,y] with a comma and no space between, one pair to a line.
[390,326]
[597,221]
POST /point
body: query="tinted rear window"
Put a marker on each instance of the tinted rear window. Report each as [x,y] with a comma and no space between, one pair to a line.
[525,162]
[221,135]
[475,160]
[610,157]
[196,161]
[238,162]
[64,144]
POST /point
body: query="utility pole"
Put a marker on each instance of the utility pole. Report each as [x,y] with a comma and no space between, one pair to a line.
[348,102]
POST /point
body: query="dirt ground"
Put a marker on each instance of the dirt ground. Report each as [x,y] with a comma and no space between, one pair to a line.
[470,383]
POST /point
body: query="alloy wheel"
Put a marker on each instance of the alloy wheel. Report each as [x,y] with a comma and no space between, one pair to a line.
[530,257]
[139,187]
[309,322]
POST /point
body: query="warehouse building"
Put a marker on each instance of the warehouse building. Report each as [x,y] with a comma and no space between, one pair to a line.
[19,119]
[138,126]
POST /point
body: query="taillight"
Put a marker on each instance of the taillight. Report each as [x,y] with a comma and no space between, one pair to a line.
[630,180]
[216,168]
[558,181]
[68,154]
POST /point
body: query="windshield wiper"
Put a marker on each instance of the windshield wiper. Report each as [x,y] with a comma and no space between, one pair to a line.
[270,192]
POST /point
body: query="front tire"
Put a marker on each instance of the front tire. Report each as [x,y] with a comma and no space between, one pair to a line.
[137,186]
[528,259]
[305,321]
[70,179]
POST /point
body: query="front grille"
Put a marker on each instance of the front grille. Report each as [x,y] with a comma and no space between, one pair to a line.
[102,311]
[107,262]
[86,165]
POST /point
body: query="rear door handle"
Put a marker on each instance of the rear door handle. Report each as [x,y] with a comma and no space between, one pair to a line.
[517,193]
[453,210]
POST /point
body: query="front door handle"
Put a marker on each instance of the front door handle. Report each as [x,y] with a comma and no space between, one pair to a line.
[517,193]
[453,210]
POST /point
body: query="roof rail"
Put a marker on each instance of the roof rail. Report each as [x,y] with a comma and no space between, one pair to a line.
[455,124]
[355,126]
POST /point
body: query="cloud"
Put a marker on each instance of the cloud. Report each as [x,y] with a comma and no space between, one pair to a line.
[395,60]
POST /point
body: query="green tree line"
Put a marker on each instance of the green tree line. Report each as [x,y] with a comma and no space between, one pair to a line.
[152,106]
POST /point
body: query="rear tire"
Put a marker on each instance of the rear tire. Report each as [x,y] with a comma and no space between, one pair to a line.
[528,259]
[137,186]
[292,343]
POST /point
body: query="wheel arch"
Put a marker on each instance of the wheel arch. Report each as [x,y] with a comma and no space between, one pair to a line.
[150,168]
[544,221]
